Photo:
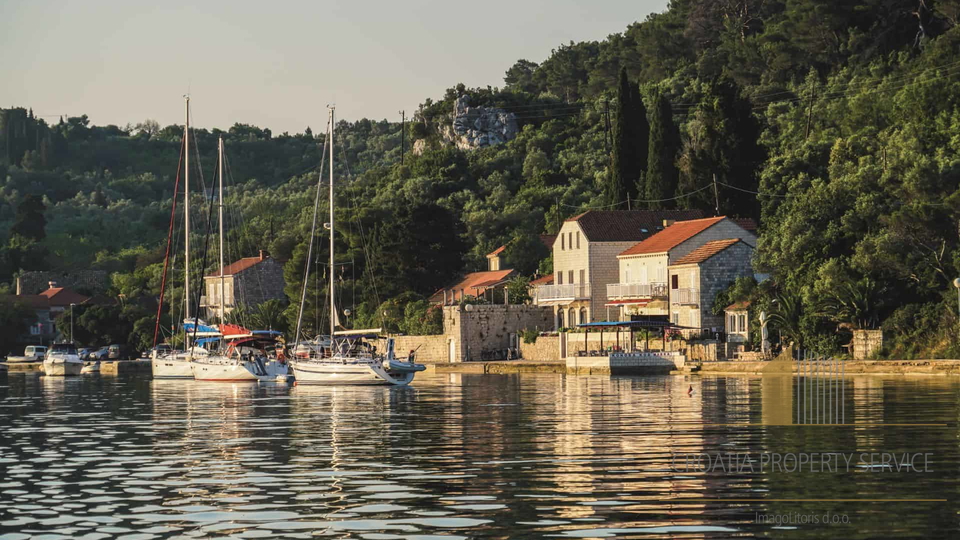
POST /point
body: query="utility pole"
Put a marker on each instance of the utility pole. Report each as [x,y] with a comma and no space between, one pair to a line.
[403,121]
[71,322]
[813,94]
[716,195]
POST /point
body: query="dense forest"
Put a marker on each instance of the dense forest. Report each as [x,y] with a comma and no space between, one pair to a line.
[835,124]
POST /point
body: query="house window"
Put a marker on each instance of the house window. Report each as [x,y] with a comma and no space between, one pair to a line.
[743,323]
[732,324]
[570,276]
[563,242]
[573,317]
[583,315]
[583,278]
[559,278]
[674,281]
[626,276]
[676,317]
[560,318]
[643,274]
[578,239]
[570,239]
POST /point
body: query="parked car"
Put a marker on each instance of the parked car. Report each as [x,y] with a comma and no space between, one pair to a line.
[99,354]
[162,349]
[120,352]
[33,353]
[84,353]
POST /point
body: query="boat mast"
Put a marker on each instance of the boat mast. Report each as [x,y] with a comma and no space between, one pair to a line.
[186,212]
[333,306]
[220,217]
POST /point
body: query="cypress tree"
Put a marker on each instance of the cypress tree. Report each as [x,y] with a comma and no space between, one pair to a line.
[630,134]
[661,176]
[621,166]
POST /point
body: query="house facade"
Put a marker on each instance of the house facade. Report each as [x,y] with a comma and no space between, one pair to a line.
[488,285]
[250,281]
[738,322]
[642,287]
[696,278]
[47,306]
[585,259]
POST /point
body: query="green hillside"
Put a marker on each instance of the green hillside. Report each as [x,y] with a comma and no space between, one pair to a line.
[835,124]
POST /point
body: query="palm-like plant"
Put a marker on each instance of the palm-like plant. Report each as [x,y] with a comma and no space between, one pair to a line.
[787,316]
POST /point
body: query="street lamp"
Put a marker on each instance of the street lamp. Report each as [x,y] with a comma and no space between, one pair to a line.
[71,323]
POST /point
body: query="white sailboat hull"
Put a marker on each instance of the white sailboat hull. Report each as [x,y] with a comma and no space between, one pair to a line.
[226,370]
[334,374]
[171,368]
[61,368]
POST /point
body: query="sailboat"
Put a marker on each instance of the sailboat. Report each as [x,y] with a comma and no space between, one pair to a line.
[349,357]
[177,364]
[244,359]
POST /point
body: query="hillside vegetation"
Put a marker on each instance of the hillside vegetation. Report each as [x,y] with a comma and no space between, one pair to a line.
[835,124]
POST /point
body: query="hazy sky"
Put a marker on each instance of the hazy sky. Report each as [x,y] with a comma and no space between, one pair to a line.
[276,63]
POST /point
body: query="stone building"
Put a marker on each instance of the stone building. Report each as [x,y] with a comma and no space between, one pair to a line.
[250,281]
[737,322]
[642,285]
[489,285]
[47,306]
[585,259]
[696,278]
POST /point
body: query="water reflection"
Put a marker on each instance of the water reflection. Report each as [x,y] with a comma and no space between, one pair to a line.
[456,456]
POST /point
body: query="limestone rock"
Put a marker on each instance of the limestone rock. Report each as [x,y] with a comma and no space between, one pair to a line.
[478,127]
[419,146]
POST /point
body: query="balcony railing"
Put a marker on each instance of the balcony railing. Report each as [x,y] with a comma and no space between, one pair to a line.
[685,296]
[623,291]
[572,291]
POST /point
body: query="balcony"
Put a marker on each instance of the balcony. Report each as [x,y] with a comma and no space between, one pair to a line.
[685,297]
[569,292]
[627,291]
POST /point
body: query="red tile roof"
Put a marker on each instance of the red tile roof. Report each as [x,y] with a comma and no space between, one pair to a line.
[738,306]
[239,266]
[496,252]
[475,283]
[548,240]
[627,225]
[745,223]
[706,251]
[672,236]
[543,280]
[52,297]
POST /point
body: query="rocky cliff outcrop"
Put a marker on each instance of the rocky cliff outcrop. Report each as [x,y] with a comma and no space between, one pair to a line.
[477,127]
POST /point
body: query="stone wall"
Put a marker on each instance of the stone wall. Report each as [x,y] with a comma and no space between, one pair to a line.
[478,328]
[88,281]
[547,348]
[430,349]
[709,277]
[259,283]
[866,343]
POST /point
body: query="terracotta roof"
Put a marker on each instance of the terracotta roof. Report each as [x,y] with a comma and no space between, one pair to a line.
[672,236]
[706,251]
[475,283]
[52,297]
[239,266]
[738,306]
[745,223]
[548,240]
[496,252]
[627,225]
[543,280]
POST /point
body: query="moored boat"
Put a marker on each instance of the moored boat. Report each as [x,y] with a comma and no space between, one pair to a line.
[62,360]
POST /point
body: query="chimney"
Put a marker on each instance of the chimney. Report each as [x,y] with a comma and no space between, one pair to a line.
[52,284]
[668,222]
[263,254]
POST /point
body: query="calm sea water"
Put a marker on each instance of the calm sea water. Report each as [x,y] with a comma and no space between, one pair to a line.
[461,456]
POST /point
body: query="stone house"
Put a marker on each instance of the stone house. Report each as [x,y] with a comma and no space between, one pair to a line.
[696,278]
[250,281]
[48,305]
[585,259]
[642,286]
[737,325]
[489,285]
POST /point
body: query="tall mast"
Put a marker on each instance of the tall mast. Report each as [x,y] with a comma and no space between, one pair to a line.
[186,211]
[220,217]
[333,306]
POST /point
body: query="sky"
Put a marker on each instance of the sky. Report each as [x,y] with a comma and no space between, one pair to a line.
[277,63]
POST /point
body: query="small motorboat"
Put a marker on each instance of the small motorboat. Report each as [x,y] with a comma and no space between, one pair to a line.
[90,367]
[62,360]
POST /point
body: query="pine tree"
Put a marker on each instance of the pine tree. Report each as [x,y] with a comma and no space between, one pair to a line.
[661,176]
